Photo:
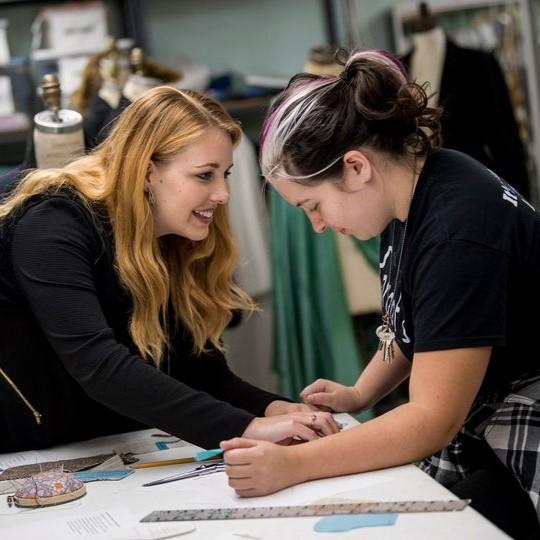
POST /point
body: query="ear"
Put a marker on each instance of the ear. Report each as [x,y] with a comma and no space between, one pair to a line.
[151,173]
[357,170]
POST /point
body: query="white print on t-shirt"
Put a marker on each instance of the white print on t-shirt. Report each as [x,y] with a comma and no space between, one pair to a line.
[509,193]
[391,307]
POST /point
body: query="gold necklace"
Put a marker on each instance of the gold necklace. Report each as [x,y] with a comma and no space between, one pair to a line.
[384,332]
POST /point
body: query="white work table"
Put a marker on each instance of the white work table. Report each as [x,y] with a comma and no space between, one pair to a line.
[112,507]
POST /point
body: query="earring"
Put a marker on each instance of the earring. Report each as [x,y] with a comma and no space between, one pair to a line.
[151,198]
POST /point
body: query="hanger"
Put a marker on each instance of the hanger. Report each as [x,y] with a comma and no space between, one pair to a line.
[424,21]
[138,61]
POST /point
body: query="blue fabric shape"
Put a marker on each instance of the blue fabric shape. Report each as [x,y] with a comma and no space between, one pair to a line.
[164,445]
[92,476]
[208,454]
[354,521]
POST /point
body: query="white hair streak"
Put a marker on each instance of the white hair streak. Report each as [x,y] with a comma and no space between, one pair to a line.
[292,114]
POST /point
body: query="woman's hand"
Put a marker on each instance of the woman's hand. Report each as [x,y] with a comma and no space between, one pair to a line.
[332,396]
[258,467]
[288,428]
[284,407]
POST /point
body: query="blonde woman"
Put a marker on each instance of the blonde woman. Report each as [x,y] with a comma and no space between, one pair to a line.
[115,287]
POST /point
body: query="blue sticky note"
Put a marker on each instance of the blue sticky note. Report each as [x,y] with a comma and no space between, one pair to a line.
[208,454]
[346,523]
[92,476]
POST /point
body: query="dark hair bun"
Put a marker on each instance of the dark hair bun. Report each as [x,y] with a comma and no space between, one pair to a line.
[371,104]
[397,111]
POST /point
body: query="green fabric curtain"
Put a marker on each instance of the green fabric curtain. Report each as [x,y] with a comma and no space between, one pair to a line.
[313,331]
[370,249]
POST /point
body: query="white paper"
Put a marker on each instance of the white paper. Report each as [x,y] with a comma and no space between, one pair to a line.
[4,47]
[151,531]
[70,70]
[73,28]
[122,443]
[93,524]
[240,535]
[77,525]
[7,105]
[19,458]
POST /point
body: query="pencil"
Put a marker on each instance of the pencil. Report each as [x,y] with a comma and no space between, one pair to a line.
[163,463]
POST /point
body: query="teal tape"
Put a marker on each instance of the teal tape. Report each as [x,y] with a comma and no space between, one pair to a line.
[208,454]
[91,476]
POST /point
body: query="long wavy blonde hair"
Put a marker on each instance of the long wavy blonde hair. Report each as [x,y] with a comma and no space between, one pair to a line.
[194,277]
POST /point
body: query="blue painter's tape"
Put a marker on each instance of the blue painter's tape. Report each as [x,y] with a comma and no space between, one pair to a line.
[208,454]
[91,476]
[354,521]
[164,445]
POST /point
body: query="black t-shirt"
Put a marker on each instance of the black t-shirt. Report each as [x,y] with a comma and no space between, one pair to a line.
[64,342]
[470,268]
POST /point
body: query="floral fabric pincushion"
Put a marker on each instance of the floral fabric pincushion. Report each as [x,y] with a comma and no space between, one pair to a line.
[48,488]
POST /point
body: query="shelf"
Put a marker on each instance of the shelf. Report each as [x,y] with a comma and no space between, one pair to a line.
[42,55]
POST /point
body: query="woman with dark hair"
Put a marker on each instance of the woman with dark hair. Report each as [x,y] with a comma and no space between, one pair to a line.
[460,253]
[116,285]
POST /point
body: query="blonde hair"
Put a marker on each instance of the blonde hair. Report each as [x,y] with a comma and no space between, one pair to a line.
[196,277]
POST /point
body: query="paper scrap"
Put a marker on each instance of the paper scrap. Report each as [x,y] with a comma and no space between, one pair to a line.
[69,465]
[344,523]
[93,524]
[13,460]
[115,463]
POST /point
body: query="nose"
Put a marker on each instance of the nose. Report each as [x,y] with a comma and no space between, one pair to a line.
[319,226]
[220,194]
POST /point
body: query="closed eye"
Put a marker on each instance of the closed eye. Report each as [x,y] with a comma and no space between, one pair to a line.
[209,175]
[206,175]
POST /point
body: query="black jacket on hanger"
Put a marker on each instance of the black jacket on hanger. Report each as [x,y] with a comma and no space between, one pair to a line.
[9,180]
[100,119]
[478,118]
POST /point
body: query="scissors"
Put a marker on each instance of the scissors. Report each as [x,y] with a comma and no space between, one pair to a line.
[201,470]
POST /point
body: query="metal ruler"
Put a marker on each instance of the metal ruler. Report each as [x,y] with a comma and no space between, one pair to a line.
[309,510]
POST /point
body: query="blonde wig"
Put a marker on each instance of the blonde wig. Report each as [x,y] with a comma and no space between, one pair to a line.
[91,80]
[194,278]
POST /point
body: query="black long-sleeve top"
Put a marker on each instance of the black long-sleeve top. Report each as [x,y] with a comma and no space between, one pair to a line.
[65,345]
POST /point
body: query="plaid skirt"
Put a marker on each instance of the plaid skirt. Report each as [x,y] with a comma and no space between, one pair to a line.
[510,426]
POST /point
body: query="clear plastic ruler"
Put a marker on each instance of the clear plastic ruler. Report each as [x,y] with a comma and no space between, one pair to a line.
[366,507]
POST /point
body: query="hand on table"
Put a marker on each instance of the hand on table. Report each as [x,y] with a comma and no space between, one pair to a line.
[259,468]
[332,396]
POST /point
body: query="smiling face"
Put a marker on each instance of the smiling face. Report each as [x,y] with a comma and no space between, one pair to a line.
[357,205]
[188,189]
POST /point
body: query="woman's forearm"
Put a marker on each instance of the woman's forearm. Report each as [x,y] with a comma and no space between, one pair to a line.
[379,379]
[406,434]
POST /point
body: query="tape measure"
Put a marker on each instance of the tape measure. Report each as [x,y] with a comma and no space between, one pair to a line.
[308,510]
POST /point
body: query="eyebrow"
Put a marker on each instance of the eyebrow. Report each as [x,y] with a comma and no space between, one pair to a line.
[213,165]
[302,202]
